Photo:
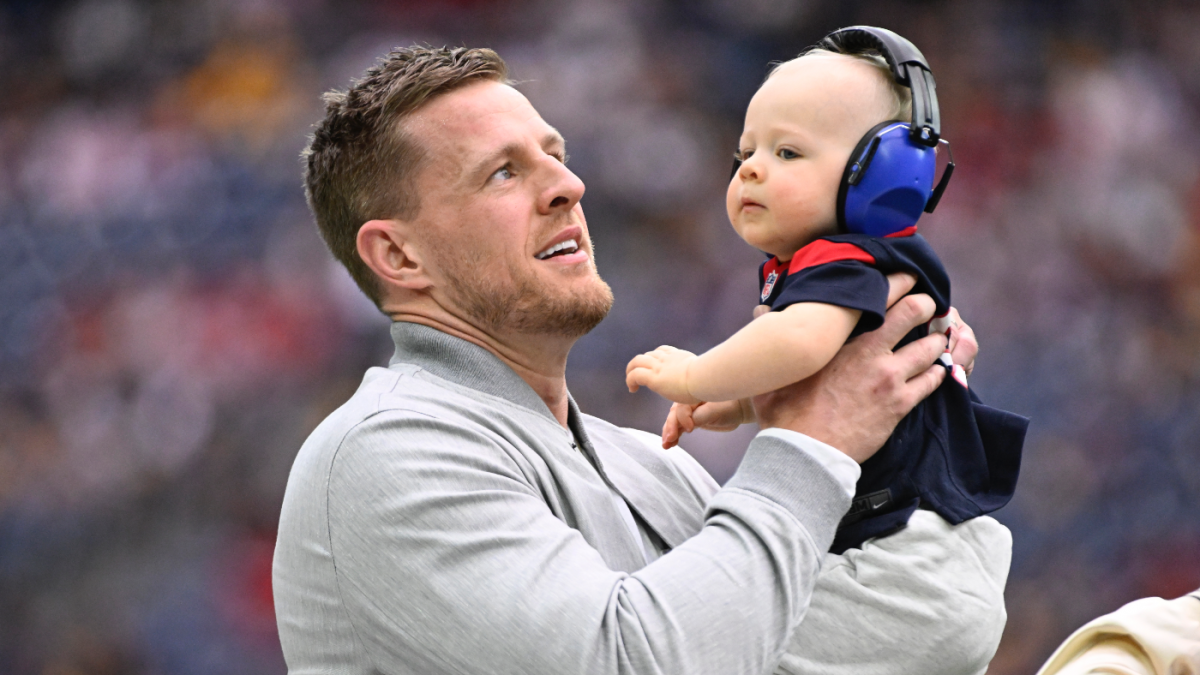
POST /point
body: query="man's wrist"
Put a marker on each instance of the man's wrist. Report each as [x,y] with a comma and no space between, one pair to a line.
[844,469]
[784,470]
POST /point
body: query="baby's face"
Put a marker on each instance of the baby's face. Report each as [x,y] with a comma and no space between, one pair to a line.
[800,129]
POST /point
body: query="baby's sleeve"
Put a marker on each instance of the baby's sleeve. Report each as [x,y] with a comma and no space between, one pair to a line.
[845,283]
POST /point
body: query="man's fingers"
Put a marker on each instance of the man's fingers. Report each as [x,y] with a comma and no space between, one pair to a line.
[899,284]
[963,345]
[916,357]
[924,384]
[908,313]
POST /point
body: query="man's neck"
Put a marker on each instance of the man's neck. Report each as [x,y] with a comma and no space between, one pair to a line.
[540,360]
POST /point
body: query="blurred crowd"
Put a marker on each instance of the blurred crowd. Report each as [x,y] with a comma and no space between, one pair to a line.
[171,327]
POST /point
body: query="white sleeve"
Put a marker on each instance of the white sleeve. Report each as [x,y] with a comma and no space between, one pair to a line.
[928,599]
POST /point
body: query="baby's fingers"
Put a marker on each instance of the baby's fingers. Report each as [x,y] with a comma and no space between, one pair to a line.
[640,369]
[719,415]
[682,412]
[679,421]
[647,360]
[670,432]
[637,378]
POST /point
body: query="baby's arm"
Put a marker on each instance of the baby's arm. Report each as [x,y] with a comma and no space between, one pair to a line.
[771,352]
[712,415]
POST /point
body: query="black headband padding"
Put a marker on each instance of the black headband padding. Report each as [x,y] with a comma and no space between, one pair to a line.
[908,66]
[896,50]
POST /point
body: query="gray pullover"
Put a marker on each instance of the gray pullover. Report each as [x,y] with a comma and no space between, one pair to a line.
[442,521]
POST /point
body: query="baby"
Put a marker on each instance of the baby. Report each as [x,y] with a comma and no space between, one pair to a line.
[951,454]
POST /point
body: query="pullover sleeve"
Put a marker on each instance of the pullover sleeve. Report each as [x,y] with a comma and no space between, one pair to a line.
[449,559]
[928,599]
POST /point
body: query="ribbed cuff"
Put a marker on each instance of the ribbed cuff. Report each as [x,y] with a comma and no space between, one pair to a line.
[786,474]
[837,462]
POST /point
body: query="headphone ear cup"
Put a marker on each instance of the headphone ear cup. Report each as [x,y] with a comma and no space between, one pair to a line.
[887,182]
[856,166]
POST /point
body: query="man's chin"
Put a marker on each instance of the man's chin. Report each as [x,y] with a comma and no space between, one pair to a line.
[570,316]
[532,306]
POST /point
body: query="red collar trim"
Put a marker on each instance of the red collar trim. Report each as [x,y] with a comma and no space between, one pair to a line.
[906,232]
[773,264]
[823,251]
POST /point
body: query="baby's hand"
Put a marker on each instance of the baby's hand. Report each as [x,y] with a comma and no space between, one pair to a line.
[663,370]
[714,416]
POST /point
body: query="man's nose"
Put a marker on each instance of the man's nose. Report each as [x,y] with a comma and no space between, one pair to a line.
[563,190]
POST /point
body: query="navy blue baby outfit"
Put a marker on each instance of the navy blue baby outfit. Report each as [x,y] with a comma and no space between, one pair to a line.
[951,454]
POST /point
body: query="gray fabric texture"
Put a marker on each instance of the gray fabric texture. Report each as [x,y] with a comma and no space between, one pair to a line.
[442,521]
[928,600]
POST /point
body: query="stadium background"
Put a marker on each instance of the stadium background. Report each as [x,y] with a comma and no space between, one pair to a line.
[171,327]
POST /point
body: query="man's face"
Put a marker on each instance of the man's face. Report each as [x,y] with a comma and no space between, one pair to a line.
[800,129]
[502,230]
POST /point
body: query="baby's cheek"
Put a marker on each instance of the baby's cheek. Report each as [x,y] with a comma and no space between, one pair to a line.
[732,202]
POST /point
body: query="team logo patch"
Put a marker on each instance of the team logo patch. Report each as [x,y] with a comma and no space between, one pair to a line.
[768,285]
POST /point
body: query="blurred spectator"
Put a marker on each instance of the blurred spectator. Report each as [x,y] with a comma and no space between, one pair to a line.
[1150,636]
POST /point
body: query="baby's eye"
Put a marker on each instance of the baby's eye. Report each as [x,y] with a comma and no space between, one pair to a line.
[743,155]
[788,153]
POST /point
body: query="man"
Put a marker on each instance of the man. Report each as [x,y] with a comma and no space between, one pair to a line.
[459,514]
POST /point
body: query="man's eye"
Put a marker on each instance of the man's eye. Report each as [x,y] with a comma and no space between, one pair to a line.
[503,173]
[788,153]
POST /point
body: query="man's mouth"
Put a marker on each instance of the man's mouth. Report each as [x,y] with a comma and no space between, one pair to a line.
[561,248]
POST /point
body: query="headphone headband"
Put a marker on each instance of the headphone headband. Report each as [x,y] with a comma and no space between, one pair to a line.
[908,67]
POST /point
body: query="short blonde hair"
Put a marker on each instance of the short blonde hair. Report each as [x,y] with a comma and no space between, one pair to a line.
[901,96]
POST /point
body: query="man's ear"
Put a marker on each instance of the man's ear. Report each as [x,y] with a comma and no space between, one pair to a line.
[385,248]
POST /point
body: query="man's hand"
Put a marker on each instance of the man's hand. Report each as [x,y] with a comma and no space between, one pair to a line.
[663,370]
[711,415]
[855,401]
[963,346]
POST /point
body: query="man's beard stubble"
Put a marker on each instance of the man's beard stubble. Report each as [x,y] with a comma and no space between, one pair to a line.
[523,306]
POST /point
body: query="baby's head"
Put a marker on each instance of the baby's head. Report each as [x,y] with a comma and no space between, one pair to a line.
[801,127]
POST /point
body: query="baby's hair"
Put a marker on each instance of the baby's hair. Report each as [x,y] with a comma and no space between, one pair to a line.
[901,95]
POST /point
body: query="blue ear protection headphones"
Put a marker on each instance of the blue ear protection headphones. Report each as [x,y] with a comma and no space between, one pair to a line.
[888,180]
